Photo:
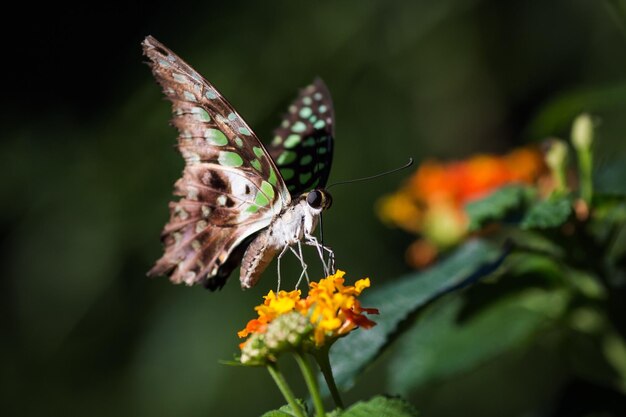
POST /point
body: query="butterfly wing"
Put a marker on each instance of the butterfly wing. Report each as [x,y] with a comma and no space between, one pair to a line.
[302,146]
[230,188]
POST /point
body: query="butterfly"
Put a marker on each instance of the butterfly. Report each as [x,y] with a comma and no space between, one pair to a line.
[240,203]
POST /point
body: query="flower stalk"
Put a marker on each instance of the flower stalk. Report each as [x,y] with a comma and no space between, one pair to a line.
[322,359]
[285,390]
[311,383]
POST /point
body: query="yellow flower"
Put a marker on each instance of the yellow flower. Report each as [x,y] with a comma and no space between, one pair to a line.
[331,307]
[277,304]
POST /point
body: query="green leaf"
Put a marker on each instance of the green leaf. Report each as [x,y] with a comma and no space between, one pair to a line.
[610,178]
[381,407]
[277,413]
[439,346]
[558,114]
[398,299]
[285,410]
[548,214]
[497,205]
[615,351]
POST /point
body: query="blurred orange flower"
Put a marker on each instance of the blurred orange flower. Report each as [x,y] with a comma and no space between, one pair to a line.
[431,203]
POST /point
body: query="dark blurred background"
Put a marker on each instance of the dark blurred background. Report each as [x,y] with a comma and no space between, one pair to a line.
[89,161]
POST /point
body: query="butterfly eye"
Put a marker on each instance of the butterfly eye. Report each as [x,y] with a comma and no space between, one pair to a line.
[315,199]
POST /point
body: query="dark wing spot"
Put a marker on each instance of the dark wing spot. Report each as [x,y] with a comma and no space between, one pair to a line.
[247,189]
[217,183]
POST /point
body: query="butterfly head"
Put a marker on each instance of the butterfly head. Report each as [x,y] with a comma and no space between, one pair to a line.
[318,199]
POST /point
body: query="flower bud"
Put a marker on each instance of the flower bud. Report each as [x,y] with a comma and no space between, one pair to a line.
[255,350]
[556,159]
[582,132]
[287,331]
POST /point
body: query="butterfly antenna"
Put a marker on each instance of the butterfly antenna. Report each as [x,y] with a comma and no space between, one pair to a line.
[371,177]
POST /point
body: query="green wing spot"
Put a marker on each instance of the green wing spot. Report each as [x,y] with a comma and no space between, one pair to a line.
[210,95]
[272,179]
[287,173]
[260,200]
[321,150]
[258,152]
[307,101]
[238,142]
[304,177]
[312,119]
[215,137]
[319,166]
[291,188]
[306,159]
[232,116]
[201,114]
[253,208]
[314,184]
[230,159]
[322,108]
[277,140]
[298,127]
[319,124]
[305,112]
[267,189]
[292,140]
[286,157]
[256,164]
[244,131]
[309,142]
[189,96]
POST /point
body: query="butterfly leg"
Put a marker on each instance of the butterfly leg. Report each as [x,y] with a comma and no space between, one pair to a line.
[312,241]
[282,252]
[300,257]
[331,262]
[304,267]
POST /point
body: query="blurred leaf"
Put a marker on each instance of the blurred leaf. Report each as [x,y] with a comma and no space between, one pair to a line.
[286,410]
[381,407]
[438,346]
[558,114]
[615,352]
[278,413]
[584,349]
[398,299]
[610,178]
[548,214]
[496,206]
[533,241]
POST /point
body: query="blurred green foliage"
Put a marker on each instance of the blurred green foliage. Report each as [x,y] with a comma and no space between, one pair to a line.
[90,173]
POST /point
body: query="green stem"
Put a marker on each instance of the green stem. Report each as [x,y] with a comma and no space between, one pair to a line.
[586,180]
[321,357]
[311,383]
[285,390]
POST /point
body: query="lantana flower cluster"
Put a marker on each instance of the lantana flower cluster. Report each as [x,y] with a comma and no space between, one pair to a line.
[288,321]
[431,203]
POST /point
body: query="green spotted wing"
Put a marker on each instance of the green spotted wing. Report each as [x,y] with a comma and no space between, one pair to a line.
[230,188]
[302,146]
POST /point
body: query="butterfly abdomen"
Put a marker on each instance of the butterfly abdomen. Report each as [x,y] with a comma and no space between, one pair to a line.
[256,259]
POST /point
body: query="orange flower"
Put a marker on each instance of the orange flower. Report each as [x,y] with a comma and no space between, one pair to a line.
[431,203]
[332,308]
